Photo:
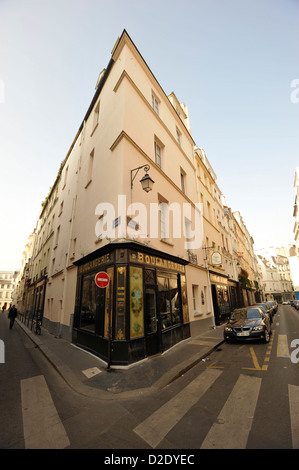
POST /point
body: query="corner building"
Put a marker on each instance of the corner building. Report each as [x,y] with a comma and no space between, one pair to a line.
[130,125]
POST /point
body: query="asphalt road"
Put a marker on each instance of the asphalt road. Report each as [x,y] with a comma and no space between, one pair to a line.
[244,396]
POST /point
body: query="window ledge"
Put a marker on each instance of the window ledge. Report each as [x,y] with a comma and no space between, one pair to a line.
[94,129]
[167,242]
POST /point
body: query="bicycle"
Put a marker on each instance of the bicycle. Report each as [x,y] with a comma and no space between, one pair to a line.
[37,326]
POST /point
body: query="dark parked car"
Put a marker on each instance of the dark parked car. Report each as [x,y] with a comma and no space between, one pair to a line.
[269,309]
[271,306]
[274,305]
[248,323]
[296,304]
[263,308]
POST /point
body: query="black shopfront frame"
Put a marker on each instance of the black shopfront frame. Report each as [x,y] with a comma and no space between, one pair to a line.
[122,335]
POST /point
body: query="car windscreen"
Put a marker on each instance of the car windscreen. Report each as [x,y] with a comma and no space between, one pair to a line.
[245,314]
[253,313]
[265,305]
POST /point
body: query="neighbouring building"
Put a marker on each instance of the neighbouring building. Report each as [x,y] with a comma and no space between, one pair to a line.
[135,199]
[7,286]
[276,273]
[294,254]
[249,276]
[20,297]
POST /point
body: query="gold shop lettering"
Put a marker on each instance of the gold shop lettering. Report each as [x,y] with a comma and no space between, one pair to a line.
[157,262]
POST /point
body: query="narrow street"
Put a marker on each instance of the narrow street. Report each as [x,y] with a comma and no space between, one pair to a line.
[244,396]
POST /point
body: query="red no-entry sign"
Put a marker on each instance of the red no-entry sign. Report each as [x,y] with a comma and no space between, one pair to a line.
[102,279]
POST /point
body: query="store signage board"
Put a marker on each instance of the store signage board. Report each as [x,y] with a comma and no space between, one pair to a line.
[102,279]
[216,258]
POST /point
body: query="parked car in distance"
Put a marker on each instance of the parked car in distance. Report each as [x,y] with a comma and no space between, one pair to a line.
[268,308]
[296,304]
[274,305]
[285,302]
[248,323]
[272,308]
[264,309]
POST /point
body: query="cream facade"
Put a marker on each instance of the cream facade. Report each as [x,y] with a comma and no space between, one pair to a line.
[7,286]
[249,273]
[20,296]
[276,273]
[170,253]
[294,256]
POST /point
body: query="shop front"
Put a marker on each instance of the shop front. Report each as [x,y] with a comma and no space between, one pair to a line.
[220,297]
[141,310]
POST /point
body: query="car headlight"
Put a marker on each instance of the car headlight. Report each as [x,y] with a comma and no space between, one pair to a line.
[228,328]
[258,328]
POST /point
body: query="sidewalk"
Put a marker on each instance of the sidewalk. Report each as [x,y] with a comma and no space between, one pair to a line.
[88,375]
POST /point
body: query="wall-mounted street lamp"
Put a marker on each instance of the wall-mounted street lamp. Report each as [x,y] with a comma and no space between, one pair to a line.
[146,181]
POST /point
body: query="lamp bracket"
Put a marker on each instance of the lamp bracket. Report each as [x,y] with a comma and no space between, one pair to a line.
[146,168]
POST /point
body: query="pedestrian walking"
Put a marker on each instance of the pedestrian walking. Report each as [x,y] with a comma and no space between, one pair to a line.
[4,307]
[12,315]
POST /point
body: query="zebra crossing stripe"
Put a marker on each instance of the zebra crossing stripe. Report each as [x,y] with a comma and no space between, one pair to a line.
[294,414]
[43,428]
[235,419]
[282,346]
[157,425]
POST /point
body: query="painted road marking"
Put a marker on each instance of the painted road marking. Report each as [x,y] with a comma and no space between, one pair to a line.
[282,346]
[213,366]
[158,425]
[294,414]
[255,362]
[235,419]
[43,428]
[266,359]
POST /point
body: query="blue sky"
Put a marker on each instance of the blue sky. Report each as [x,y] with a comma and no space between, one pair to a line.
[230,61]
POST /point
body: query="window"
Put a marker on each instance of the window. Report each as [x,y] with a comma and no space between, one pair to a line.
[57,235]
[183,181]
[188,231]
[169,302]
[178,136]
[209,210]
[65,176]
[96,115]
[60,212]
[194,295]
[89,170]
[155,104]
[158,154]
[163,220]
[88,304]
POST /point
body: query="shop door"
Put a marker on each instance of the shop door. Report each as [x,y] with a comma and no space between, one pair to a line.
[215,305]
[151,321]
[100,311]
